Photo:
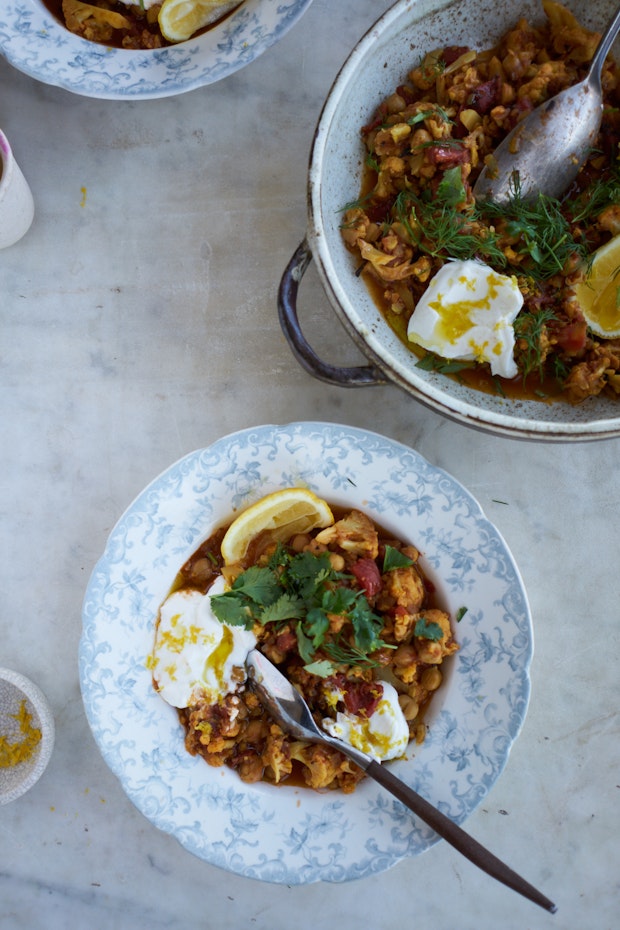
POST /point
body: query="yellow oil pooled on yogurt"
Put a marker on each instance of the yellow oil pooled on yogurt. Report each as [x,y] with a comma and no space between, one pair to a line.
[467,313]
[216,662]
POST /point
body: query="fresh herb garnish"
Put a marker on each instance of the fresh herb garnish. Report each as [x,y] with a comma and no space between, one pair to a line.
[394,558]
[529,331]
[432,362]
[305,590]
[539,229]
[433,113]
[451,189]
[461,613]
[444,232]
[428,629]
[323,668]
[603,192]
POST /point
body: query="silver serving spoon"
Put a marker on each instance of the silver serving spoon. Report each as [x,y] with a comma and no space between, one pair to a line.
[547,148]
[288,708]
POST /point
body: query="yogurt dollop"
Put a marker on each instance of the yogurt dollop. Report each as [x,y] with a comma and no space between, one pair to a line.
[384,735]
[467,312]
[197,657]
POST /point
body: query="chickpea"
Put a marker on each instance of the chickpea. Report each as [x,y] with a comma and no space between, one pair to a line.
[431,679]
[251,769]
[316,547]
[300,541]
[336,561]
[395,103]
[403,656]
[408,706]
[421,137]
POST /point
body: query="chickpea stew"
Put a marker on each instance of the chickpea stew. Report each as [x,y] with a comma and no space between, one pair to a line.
[426,145]
[346,613]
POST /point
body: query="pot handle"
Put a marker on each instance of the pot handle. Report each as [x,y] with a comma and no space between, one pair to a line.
[360,376]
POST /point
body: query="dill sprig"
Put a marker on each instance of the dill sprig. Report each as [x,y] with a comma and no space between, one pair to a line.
[529,330]
[444,232]
[436,112]
[603,192]
[542,232]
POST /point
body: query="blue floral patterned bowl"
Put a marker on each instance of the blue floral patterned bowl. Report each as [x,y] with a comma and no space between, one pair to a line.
[35,42]
[291,834]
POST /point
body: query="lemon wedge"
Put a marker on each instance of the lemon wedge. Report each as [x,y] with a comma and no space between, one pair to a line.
[180,19]
[599,293]
[283,513]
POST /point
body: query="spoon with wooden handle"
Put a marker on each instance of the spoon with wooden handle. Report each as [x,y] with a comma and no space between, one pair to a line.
[290,711]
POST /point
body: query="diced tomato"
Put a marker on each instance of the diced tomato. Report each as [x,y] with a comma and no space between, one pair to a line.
[485,96]
[572,336]
[368,576]
[362,697]
[447,156]
[407,93]
[286,642]
[452,52]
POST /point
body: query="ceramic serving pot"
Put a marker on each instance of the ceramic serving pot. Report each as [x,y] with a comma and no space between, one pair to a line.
[378,63]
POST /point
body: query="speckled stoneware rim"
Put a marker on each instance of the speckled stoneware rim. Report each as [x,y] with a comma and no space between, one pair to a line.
[17,780]
[375,67]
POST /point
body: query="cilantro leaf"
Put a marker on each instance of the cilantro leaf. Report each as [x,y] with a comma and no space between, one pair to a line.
[461,613]
[367,627]
[393,558]
[304,644]
[323,668]
[303,589]
[231,609]
[339,600]
[451,189]
[258,584]
[287,607]
[308,572]
[316,625]
[428,630]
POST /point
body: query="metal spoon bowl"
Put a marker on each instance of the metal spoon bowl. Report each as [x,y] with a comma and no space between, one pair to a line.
[546,149]
[288,708]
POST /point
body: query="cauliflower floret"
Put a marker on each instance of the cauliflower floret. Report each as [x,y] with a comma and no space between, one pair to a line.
[92,22]
[405,587]
[276,756]
[431,651]
[355,534]
[325,767]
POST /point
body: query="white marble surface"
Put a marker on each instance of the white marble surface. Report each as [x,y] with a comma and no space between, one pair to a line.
[139,323]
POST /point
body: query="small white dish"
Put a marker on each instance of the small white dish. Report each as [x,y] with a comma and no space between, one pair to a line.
[16,203]
[17,690]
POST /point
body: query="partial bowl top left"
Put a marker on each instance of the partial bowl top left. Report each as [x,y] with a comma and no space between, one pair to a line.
[35,42]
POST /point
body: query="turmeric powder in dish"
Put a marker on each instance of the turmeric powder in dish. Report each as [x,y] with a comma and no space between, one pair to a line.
[19,740]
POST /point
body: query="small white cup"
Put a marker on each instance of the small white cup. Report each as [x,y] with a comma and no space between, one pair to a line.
[16,203]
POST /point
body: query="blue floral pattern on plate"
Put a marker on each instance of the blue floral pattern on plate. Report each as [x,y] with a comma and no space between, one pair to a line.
[36,43]
[290,834]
